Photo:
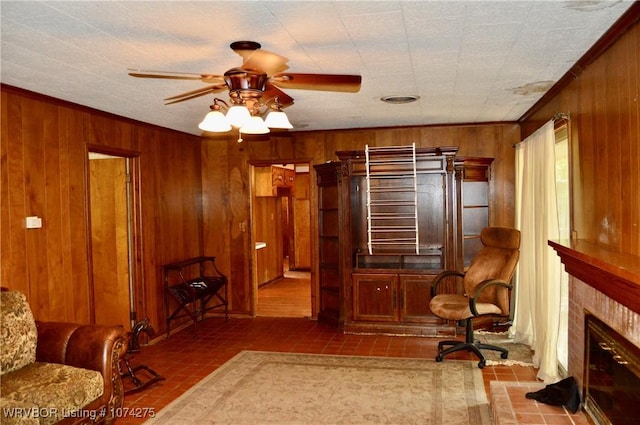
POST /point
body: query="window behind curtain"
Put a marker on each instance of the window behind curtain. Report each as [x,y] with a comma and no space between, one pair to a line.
[562,196]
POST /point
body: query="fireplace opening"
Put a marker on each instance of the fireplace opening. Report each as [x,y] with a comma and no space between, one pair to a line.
[612,375]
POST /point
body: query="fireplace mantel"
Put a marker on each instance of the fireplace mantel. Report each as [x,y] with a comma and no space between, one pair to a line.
[615,274]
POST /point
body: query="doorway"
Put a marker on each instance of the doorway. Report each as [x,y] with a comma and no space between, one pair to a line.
[282,235]
[111,239]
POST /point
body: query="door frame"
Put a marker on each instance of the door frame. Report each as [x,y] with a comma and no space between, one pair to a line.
[252,193]
[136,281]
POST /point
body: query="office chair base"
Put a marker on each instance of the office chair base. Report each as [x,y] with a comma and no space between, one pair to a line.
[473,347]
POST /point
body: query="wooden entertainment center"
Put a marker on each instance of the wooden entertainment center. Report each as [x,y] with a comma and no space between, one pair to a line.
[377,262]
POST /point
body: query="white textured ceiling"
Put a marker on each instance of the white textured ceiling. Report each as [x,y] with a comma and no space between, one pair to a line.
[469,61]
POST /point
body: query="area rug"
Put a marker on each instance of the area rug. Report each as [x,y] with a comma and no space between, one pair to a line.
[519,354]
[313,389]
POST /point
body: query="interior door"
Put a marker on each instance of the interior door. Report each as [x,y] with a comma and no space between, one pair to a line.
[110,236]
[301,213]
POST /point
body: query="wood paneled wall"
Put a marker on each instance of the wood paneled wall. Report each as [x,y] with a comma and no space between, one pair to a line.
[226,183]
[43,172]
[267,226]
[193,195]
[604,104]
[301,224]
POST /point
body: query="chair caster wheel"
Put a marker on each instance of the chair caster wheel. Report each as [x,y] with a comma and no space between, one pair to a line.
[438,358]
[481,364]
[504,355]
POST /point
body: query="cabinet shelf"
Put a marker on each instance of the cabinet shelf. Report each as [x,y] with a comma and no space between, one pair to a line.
[411,216]
[398,261]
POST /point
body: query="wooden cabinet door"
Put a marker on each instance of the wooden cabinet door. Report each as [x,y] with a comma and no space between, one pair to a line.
[415,296]
[375,297]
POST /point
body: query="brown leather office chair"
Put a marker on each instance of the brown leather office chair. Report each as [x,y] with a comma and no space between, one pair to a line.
[487,285]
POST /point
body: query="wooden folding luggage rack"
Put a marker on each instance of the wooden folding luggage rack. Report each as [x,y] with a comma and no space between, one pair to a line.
[193,294]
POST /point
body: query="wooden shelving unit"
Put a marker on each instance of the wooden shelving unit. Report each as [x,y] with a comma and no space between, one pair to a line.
[473,184]
[329,214]
[376,277]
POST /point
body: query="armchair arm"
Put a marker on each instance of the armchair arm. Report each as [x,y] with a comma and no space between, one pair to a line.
[440,278]
[91,347]
[481,287]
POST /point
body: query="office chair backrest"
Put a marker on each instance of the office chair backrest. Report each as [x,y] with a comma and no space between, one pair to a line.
[497,259]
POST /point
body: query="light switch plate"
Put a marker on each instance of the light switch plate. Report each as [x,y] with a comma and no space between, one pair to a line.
[34,222]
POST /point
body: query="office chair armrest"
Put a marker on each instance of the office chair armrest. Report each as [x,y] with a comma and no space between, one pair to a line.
[481,287]
[440,278]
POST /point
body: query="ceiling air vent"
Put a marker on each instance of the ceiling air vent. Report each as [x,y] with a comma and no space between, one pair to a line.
[397,100]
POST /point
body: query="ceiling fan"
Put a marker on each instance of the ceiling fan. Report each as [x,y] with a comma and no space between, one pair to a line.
[257,82]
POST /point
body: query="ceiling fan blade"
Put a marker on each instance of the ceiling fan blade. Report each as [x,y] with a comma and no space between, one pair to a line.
[187,98]
[205,78]
[265,61]
[253,57]
[258,59]
[323,82]
[272,91]
[195,93]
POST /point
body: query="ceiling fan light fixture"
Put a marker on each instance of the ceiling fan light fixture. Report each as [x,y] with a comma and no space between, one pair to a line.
[278,119]
[254,125]
[260,75]
[238,115]
[215,122]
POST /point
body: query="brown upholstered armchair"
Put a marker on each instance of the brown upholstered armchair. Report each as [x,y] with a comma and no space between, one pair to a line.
[487,285]
[54,372]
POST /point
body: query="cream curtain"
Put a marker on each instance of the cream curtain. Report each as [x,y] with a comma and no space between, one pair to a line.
[537,305]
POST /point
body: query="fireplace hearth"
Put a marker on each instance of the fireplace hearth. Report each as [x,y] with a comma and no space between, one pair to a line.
[612,375]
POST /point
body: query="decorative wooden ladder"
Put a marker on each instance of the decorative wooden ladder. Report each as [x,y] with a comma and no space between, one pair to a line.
[392,199]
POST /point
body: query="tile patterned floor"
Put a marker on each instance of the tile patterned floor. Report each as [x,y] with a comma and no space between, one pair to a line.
[509,405]
[187,357]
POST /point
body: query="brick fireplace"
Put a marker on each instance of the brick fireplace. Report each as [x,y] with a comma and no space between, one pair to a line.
[605,284]
[583,297]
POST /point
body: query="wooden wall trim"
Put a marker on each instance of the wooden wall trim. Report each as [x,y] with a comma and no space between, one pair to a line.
[107,150]
[404,127]
[617,275]
[622,25]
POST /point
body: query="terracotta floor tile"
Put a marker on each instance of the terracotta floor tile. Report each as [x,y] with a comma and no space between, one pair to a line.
[545,409]
[517,392]
[530,418]
[561,419]
[524,373]
[524,406]
[184,359]
[580,419]
[505,376]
